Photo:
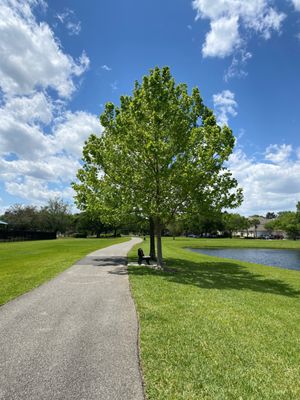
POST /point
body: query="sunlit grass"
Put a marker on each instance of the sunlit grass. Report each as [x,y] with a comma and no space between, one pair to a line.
[218,329]
[240,243]
[25,265]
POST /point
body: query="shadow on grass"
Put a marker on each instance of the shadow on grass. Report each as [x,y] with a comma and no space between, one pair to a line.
[218,275]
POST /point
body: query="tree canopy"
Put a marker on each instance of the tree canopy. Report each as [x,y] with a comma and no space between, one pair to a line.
[235,222]
[161,154]
[54,216]
[288,221]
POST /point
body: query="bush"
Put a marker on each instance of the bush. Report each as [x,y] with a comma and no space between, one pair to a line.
[79,235]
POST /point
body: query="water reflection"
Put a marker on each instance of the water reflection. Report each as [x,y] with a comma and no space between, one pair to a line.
[287,259]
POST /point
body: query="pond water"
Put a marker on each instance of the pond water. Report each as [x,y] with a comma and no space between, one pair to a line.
[287,259]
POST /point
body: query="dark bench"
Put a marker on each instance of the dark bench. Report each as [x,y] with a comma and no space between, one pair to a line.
[142,257]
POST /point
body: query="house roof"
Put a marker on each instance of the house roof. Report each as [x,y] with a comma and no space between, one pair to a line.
[3,223]
[261,226]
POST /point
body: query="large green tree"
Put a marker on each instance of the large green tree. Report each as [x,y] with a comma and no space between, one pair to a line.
[161,152]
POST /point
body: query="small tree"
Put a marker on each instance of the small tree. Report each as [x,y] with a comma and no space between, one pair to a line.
[254,222]
[161,152]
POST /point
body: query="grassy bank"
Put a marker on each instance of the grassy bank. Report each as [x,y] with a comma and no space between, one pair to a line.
[218,329]
[25,265]
[239,243]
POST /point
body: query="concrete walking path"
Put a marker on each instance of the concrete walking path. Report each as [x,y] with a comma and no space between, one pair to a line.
[74,337]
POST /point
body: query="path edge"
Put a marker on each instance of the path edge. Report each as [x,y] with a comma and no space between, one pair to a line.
[138,340]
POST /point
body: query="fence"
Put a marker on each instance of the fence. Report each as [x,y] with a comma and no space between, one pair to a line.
[7,235]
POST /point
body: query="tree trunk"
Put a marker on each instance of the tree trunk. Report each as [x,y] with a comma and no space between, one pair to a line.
[152,239]
[158,243]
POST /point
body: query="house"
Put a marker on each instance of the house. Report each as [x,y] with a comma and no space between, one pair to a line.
[260,231]
[3,224]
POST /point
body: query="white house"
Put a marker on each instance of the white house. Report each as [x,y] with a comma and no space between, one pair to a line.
[260,230]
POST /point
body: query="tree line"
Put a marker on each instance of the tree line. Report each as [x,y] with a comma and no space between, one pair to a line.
[55,216]
[288,221]
[212,224]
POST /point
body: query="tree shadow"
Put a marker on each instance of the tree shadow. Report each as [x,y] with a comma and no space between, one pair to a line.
[119,270]
[218,275]
[102,261]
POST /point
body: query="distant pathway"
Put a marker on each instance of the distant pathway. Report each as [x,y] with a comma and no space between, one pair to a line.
[75,337]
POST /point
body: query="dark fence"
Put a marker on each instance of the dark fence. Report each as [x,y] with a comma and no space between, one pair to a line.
[7,235]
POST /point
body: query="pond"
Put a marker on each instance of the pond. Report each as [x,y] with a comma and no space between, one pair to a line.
[287,259]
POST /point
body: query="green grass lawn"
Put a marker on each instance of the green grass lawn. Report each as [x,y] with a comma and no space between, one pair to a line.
[236,242]
[218,329]
[25,265]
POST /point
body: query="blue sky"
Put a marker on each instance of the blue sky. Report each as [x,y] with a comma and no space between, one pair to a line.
[61,61]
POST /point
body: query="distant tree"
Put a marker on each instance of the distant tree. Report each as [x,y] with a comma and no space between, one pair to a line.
[161,152]
[235,223]
[298,211]
[209,222]
[87,224]
[175,227]
[287,221]
[22,217]
[56,215]
[253,221]
[271,215]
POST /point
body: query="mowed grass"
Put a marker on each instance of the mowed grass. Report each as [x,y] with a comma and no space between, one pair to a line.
[218,329]
[25,265]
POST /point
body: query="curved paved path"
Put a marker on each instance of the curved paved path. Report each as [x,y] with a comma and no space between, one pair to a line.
[75,337]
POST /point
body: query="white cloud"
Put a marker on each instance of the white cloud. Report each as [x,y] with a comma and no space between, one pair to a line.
[272,186]
[55,169]
[37,107]
[35,190]
[229,18]
[222,38]
[238,64]
[40,141]
[31,56]
[72,129]
[20,136]
[74,28]
[38,151]
[114,86]
[70,21]
[296,4]
[106,67]
[42,161]
[225,106]
[278,153]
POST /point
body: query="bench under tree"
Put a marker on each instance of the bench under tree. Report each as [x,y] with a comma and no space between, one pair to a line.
[142,257]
